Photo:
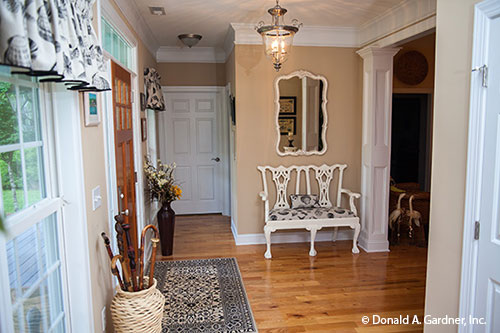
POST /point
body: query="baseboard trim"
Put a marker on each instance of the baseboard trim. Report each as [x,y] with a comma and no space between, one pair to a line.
[373,246]
[234,231]
[289,237]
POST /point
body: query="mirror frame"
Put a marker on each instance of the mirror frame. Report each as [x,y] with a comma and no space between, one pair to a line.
[301,74]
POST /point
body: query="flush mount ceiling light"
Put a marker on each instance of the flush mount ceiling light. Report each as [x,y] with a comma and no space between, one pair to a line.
[189,40]
[157,11]
[278,37]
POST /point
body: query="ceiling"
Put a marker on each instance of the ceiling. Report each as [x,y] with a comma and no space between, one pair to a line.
[211,18]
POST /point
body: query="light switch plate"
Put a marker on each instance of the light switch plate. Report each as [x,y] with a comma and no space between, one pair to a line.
[96,198]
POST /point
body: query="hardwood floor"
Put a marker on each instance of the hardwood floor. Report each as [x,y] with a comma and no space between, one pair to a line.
[328,293]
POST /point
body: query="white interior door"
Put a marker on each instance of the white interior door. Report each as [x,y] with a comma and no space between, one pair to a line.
[487,302]
[192,140]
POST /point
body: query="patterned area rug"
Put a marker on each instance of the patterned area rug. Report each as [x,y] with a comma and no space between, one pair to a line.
[204,296]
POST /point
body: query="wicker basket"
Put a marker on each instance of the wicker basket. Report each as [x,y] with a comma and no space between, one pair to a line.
[140,311]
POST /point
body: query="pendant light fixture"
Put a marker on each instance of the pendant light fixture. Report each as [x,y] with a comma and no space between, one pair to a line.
[189,40]
[277,36]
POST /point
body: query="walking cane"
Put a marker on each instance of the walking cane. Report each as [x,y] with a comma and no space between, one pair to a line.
[127,281]
[115,271]
[119,237]
[107,244]
[124,259]
[141,253]
[131,256]
[153,260]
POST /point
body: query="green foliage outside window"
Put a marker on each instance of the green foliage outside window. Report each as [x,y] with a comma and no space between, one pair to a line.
[11,161]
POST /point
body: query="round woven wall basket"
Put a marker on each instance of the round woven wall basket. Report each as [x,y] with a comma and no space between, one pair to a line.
[140,311]
[411,67]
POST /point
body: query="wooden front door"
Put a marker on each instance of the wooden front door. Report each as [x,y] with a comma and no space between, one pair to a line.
[124,147]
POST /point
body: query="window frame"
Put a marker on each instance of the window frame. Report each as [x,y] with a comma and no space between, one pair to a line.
[20,221]
[64,124]
[45,142]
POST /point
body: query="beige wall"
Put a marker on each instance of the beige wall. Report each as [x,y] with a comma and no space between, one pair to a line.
[192,74]
[451,115]
[93,144]
[97,221]
[426,46]
[255,125]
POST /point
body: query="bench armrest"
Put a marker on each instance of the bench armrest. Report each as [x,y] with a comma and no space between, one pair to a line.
[352,196]
[263,196]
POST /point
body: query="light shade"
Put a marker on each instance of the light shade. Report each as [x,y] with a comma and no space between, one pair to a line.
[189,40]
[278,44]
[278,37]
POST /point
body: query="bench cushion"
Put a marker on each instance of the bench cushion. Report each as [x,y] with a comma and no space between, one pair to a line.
[304,200]
[287,214]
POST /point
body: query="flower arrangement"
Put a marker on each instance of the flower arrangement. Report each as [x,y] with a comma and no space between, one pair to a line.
[161,182]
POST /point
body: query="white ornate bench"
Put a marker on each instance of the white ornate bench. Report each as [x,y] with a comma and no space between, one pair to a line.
[322,215]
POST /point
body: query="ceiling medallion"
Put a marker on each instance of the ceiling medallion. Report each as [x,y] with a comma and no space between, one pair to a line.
[278,37]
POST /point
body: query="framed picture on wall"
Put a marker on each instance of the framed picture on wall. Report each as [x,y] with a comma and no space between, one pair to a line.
[287,125]
[92,108]
[288,105]
[143,102]
[144,129]
[232,103]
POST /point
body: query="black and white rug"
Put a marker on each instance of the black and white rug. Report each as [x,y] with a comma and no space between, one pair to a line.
[204,296]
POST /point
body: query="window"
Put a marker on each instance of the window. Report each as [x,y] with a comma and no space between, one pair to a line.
[21,157]
[30,257]
[116,45]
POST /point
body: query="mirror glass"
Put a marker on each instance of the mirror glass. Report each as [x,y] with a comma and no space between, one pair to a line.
[301,114]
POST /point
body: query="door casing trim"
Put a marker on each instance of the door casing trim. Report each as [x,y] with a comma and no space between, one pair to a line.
[483,12]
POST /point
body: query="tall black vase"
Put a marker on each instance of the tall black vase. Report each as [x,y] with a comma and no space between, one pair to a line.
[166,223]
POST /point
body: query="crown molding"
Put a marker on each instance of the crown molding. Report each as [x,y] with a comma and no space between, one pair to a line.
[409,18]
[408,14]
[244,33]
[369,51]
[191,55]
[408,33]
[229,40]
[131,12]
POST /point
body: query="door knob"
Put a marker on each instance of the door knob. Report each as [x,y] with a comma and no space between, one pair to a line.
[122,195]
[216,159]
[125,212]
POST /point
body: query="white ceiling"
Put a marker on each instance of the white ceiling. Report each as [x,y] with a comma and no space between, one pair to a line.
[211,18]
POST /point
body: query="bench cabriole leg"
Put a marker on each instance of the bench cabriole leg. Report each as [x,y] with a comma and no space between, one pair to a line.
[356,228]
[267,233]
[313,252]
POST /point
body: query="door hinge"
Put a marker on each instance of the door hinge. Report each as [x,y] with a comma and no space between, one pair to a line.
[476,230]
[135,176]
[484,70]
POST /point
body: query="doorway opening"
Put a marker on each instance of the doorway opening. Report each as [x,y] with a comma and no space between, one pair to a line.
[409,199]
[410,149]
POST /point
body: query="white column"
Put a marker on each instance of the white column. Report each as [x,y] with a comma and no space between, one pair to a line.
[376,150]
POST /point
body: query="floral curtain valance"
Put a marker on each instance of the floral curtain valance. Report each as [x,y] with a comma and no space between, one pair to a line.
[154,95]
[53,39]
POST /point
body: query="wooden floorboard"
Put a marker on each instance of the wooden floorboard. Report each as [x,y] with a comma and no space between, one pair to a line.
[328,293]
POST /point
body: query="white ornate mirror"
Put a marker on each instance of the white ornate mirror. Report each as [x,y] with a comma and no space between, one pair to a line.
[301,117]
